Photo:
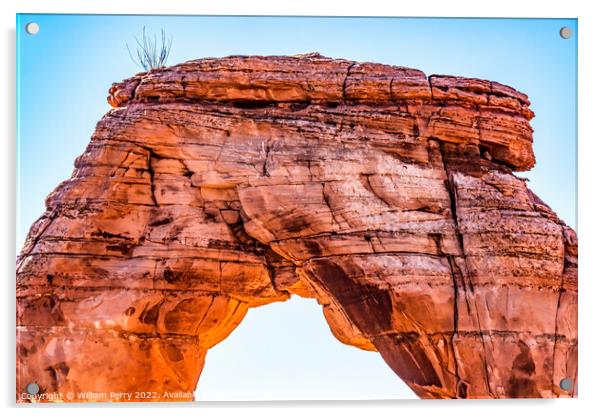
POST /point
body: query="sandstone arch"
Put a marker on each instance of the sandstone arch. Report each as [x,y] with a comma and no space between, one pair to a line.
[222,184]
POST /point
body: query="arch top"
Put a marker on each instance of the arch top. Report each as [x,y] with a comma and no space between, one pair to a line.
[451,108]
[307,77]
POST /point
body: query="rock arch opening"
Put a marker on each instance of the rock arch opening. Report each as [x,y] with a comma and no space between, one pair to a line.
[285,350]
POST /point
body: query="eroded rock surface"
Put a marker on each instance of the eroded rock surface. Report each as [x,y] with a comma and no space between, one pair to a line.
[223,184]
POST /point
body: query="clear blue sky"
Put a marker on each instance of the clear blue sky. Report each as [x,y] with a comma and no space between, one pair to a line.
[64,73]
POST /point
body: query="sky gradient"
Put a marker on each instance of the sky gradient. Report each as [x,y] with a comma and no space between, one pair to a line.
[286,350]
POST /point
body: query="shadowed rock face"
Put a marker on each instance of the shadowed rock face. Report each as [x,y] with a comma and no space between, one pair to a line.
[223,184]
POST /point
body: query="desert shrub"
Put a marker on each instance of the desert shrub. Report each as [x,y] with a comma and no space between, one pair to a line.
[149,53]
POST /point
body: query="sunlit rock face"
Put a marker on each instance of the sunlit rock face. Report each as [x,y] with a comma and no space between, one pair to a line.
[223,184]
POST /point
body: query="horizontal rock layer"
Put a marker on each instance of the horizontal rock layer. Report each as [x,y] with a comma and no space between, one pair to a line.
[223,184]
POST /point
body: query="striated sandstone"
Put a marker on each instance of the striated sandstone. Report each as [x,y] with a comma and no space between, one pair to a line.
[218,185]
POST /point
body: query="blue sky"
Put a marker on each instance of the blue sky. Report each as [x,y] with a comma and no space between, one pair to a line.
[64,73]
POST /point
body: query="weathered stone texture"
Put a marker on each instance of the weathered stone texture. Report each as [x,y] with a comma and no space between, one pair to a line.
[223,184]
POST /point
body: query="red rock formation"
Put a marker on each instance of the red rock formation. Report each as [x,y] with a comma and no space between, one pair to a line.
[223,184]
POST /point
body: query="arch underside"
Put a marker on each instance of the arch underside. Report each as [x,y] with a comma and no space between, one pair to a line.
[180,217]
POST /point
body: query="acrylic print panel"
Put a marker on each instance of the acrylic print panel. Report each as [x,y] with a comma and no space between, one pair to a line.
[283,208]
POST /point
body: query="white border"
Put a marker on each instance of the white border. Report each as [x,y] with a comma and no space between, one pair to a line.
[589,190]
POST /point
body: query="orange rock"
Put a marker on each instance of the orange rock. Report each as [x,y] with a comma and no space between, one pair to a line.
[223,184]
